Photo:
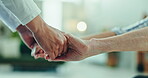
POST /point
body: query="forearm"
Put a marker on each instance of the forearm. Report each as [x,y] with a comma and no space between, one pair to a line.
[131,41]
[102,35]
[24,10]
[118,31]
[8,17]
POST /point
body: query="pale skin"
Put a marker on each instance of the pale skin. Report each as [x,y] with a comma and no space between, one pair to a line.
[80,49]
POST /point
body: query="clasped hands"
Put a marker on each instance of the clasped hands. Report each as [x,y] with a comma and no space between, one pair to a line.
[72,48]
[54,45]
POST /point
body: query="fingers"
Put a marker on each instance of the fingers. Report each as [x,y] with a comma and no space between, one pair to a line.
[37,52]
[40,54]
[56,51]
[47,37]
[46,57]
[50,50]
[63,55]
[51,55]
[63,47]
[69,56]
[61,58]
[60,48]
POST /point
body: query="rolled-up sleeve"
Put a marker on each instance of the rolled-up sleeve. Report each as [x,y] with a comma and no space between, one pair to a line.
[8,17]
[24,10]
[141,24]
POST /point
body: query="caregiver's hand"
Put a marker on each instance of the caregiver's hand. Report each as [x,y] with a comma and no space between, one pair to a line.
[27,36]
[51,40]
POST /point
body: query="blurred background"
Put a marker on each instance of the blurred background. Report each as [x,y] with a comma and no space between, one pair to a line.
[81,18]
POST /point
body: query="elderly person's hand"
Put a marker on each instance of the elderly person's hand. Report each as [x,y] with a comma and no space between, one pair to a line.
[51,40]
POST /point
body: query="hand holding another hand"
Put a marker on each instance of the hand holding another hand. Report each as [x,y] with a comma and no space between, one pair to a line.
[53,44]
[51,40]
[77,50]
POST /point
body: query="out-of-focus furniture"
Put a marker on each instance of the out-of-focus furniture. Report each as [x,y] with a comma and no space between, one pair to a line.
[28,63]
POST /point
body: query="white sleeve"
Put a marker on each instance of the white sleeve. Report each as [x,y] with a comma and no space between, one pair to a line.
[8,17]
[141,24]
[24,10]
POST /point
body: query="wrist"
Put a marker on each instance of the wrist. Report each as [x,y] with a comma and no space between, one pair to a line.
[22,29]
[100,45]
[93,48]
[36,24]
